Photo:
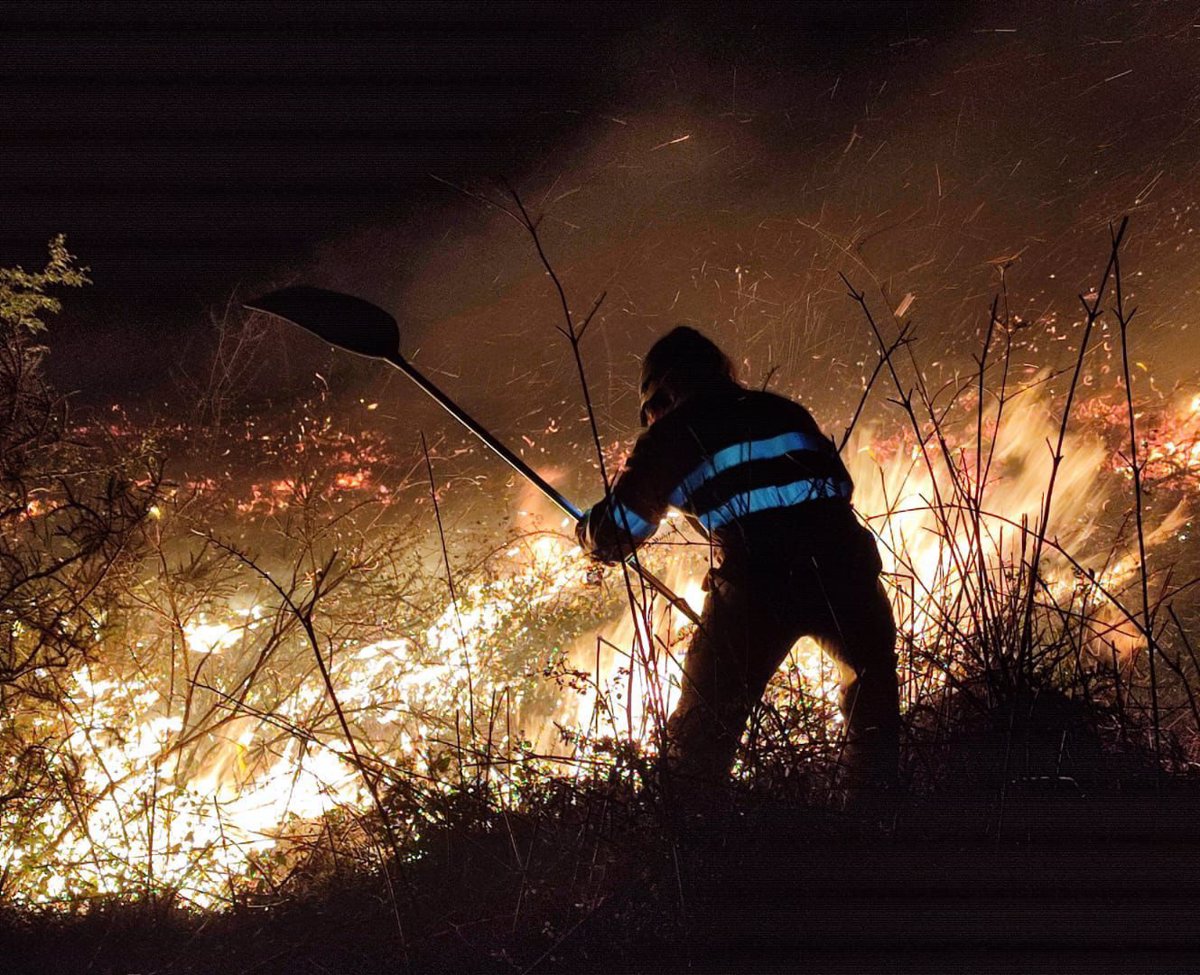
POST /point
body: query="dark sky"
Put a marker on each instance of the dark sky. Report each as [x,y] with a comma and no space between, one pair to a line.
[191,140]
[711,163]
[187,149]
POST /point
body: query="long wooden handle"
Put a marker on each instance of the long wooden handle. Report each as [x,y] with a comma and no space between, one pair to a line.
[534,478]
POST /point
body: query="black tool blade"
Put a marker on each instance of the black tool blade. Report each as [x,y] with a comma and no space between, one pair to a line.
[340,319]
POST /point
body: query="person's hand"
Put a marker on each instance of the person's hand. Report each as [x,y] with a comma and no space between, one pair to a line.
[596,566]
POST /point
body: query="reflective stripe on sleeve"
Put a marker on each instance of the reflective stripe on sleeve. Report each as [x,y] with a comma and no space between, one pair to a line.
[628,520]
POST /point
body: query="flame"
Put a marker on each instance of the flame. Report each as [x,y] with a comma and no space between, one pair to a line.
[168,794]
[204,637]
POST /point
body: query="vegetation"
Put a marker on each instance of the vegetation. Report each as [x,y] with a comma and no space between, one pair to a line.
[258,715]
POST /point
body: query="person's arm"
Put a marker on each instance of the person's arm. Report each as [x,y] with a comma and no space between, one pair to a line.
[613,528]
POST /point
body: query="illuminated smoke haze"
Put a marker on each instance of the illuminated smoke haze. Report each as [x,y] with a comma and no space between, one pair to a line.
[727,185]
[721,168]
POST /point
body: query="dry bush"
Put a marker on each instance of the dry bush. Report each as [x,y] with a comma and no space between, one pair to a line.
[73,505]
[276,682]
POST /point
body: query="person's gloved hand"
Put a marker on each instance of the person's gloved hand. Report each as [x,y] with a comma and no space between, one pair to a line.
[596,567]
[581,529]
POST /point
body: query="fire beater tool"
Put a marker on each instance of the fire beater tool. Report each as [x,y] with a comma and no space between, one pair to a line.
[358,326]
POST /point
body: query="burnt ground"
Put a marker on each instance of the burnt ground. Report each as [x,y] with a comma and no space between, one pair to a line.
[1081,870]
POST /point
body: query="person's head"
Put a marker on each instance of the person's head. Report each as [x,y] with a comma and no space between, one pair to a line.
[679,365]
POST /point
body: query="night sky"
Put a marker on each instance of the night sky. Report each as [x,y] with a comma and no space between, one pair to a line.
[188,149]
[716,164]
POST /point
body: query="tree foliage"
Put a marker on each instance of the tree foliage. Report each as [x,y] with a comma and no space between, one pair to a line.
[71,500]
[23,295]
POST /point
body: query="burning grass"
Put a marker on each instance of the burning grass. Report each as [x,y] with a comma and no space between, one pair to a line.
[274,684]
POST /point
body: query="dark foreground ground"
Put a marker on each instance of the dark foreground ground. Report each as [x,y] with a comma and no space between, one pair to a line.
[1058,879]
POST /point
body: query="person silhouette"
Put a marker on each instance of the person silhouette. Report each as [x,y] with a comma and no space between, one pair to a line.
[790,559]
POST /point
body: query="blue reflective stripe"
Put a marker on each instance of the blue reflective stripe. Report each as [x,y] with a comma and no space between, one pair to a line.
[766,498]
[630,521]
[741,453]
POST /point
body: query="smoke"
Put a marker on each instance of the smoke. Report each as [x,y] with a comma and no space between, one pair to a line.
[726,173]
[727,183]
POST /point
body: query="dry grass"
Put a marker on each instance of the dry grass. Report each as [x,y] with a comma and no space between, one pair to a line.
[1048,706]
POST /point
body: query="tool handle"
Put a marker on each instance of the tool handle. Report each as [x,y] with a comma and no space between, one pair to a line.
[515,462]
[482,433]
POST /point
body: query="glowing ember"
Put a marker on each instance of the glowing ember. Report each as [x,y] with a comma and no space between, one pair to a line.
[196,772]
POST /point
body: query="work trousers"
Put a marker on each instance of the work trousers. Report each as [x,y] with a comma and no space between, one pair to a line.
[747,629]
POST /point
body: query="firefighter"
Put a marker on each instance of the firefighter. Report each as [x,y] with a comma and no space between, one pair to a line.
[789,558]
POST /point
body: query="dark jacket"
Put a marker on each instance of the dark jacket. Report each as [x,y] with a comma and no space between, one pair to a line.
[752,468]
